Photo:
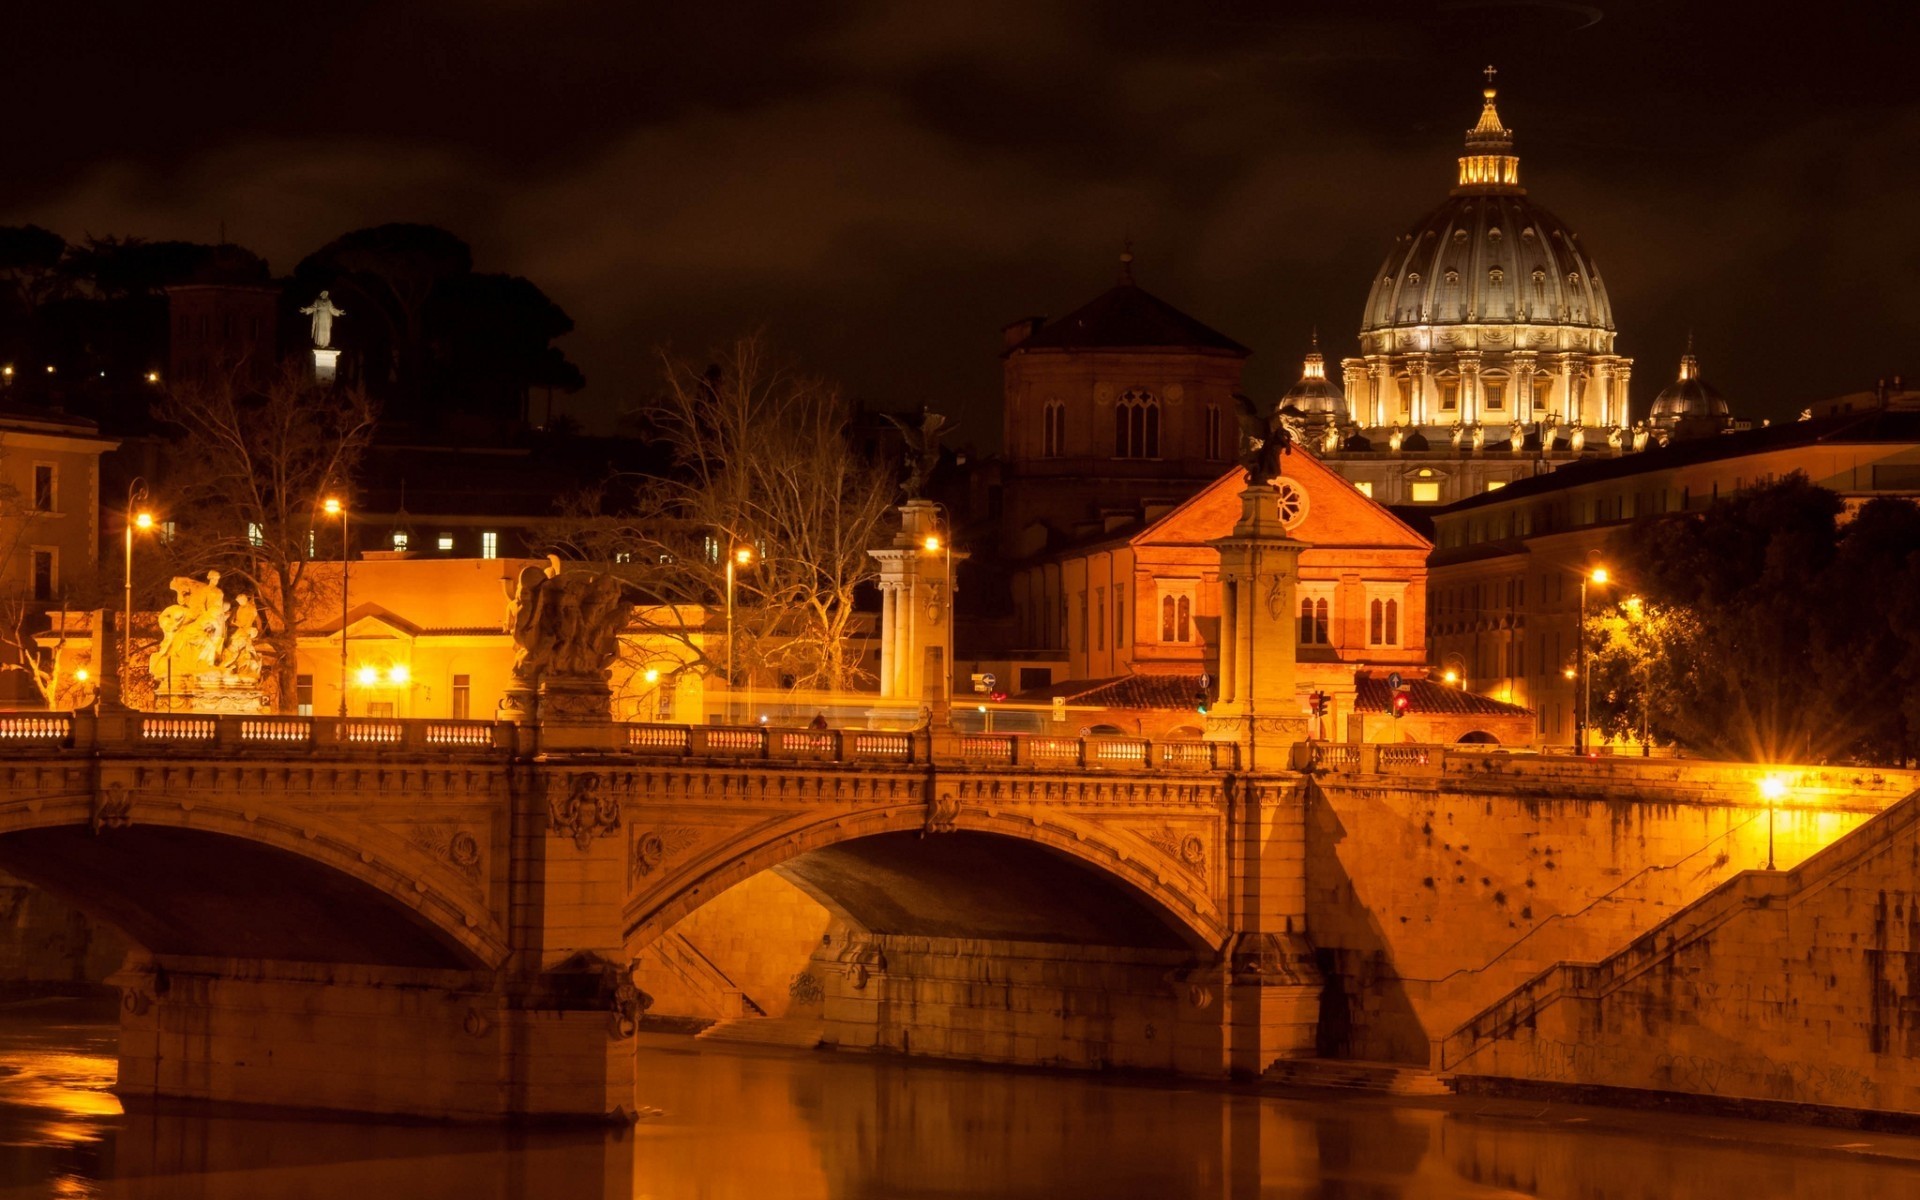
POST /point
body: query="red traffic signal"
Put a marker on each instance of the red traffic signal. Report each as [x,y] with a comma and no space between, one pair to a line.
[1317,703]
[1402,701]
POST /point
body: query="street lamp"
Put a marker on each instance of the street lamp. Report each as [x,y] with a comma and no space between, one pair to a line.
[141,520]
[740,557]
[1772,788]
[1598,577]
[935,545]
[334,506]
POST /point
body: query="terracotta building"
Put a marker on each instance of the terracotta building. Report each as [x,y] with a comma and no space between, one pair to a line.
[1135,613]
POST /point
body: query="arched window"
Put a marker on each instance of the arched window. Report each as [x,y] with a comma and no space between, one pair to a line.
[1053,436]
[1313,622]
[1176,617]
[1182,616]
[1166,618]
[1136,425]
[1383,623]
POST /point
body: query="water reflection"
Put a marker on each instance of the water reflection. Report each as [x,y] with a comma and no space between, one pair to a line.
[726,1124]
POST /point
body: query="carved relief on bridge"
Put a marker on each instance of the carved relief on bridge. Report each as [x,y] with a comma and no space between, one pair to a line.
[582,806]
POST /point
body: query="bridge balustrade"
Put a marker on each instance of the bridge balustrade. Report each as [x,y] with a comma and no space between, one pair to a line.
[862,745]
[160,731]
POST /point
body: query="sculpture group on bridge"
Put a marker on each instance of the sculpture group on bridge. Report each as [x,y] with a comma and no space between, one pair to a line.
[566,631]
[208,642]
[564,624]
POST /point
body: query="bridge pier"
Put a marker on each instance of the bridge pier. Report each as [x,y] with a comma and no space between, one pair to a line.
[442,1045]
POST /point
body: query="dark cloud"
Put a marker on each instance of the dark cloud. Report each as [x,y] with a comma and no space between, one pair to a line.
[882,185]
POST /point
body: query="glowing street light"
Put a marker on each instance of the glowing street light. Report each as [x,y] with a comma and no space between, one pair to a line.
[1772,788]
[368,676]
[1452,677]
[934,545]
[1598,577]
[334,506]
[142,520]
[741,557]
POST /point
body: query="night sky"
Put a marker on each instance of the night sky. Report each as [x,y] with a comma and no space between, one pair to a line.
[882,186]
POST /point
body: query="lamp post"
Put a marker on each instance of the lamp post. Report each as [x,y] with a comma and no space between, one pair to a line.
[1772,787]
[336,507]
[935,544]
[739,557]
[143,520]
[1598,577]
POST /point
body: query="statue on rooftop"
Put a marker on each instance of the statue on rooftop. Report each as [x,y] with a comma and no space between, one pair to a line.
[1262,442]
[323,311]
[922,449]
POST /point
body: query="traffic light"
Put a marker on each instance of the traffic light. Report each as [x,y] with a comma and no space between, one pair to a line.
[1401,703]
[1200,700]
[1317,703]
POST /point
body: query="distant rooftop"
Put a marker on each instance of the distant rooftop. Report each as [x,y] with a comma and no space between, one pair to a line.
[1128,317]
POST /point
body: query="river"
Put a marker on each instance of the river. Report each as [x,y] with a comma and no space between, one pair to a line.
[723,1122]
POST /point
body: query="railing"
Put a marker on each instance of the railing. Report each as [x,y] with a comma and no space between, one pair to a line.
[246,732]
[882,746]
[274,733]
[1871,787]
[38,729]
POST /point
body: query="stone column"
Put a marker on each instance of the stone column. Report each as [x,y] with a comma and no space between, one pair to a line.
[1470,410]
[1271,989]
[1259,570]
[1417,371]
[887,658]
[916,579]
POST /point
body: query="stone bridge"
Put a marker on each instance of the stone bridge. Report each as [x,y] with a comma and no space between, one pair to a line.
[440,918]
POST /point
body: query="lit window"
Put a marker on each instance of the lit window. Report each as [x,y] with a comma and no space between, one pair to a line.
[1494,485]
[1176,616]
[303,694]
[1424,493]
[445,543]
[256,537]
[1364,487]
[400,541]
[489,544]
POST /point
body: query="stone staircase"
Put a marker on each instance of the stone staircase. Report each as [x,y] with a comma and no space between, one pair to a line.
[1388,1079]
[1733,900]
[714,992]
[797,1032]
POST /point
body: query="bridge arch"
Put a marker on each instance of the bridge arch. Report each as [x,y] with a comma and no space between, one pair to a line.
[839,856]
[214,878]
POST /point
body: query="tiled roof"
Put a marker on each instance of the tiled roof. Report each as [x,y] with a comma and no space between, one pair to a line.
[1128,316]
[1121,691]
[1426,696]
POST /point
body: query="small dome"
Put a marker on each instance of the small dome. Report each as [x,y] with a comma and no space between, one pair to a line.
[1689,397]
[1315,395]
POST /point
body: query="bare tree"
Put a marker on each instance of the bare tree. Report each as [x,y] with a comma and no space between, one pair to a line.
[761,463]
[252,466]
